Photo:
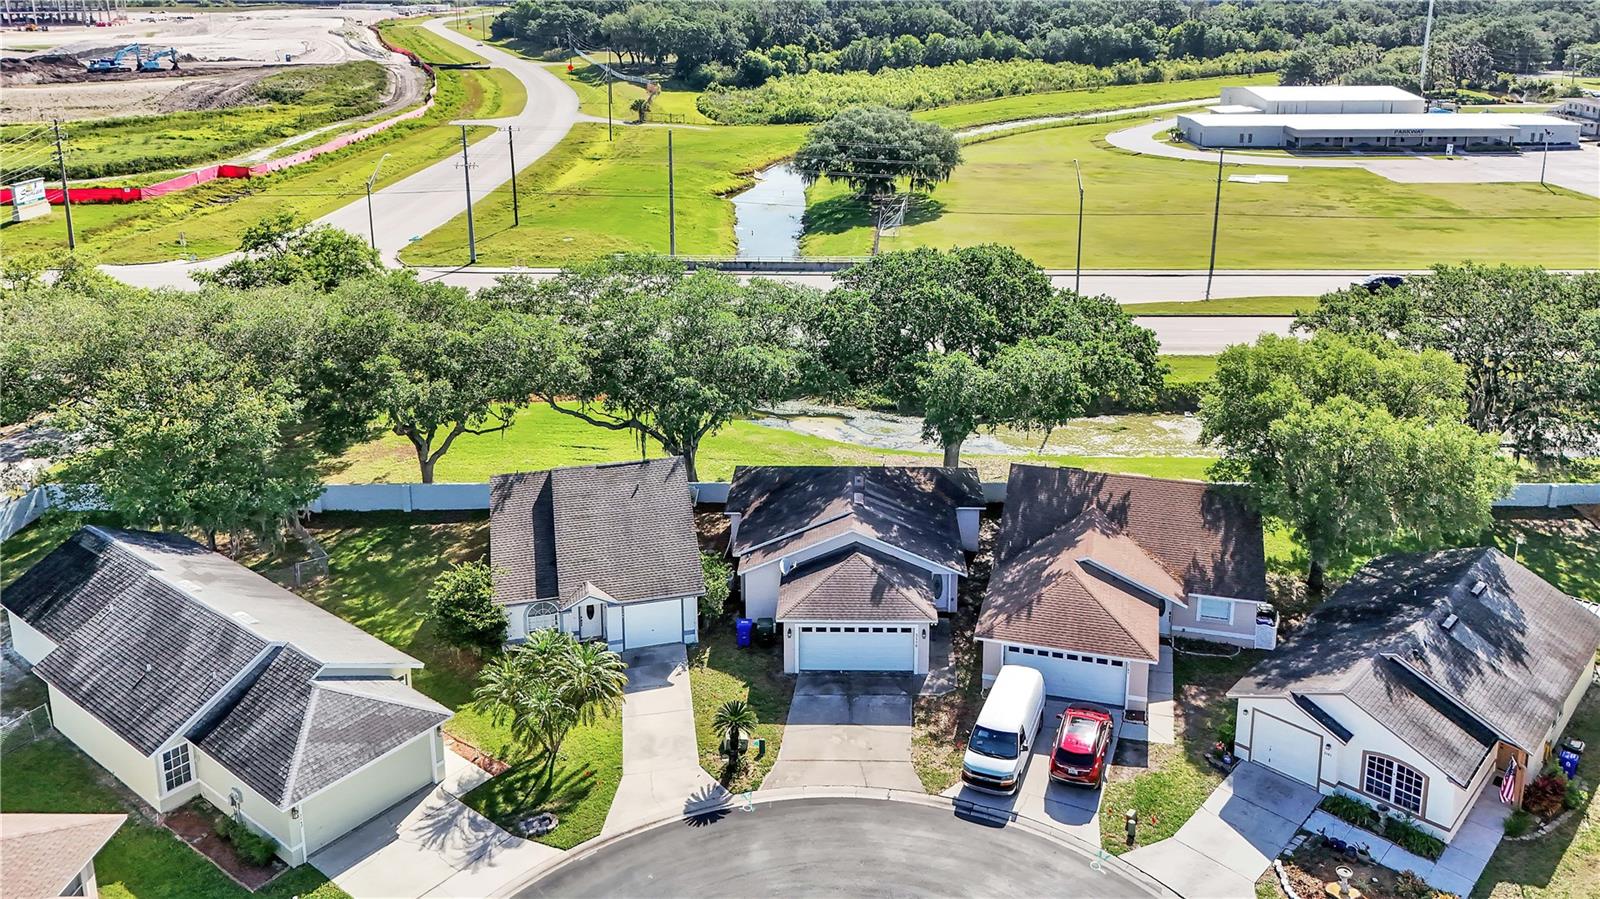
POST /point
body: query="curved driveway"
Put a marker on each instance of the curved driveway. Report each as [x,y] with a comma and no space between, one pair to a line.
[845,847]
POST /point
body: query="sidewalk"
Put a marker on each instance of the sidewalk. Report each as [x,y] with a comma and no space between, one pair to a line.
[661,773]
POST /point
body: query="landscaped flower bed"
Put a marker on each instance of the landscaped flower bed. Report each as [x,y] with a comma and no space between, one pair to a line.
[1396,830]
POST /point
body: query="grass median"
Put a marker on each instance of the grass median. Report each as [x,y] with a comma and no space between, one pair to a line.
[1228,306]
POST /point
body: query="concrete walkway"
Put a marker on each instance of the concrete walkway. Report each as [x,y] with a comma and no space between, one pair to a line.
[1221,851]
[847,730]
[661,773]
[431,844]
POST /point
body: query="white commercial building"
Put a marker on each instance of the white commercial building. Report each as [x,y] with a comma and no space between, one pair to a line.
[1336,99]
[1584,111]
[1406,131]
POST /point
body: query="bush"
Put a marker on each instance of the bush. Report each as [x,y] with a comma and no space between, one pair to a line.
[1351,810]
[1546,796]
[718,575]
[1412,838]
[253,847]
[1229,729]
[1576,796]
[1409,886]
[463,608]
[1519,823]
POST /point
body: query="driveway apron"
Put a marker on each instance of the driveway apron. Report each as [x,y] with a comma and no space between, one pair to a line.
[661,773]
[1243,825]
[848,730]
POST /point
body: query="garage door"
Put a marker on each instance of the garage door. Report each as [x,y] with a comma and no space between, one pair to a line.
[1075,675]
[857,648]
[652,623]
[1284,747]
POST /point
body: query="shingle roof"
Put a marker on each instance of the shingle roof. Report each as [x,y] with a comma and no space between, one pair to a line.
[66,588]
[626,528]
[856,585]
[1513,654]
[290,733]
[43,853]
[789,507]
[1085,587]
[1206,535]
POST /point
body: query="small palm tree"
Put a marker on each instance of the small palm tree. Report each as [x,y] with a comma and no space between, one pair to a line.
[596,679]
[547,686]
[735,716]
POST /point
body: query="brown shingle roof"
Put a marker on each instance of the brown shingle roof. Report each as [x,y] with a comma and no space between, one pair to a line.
[1206,535]
[1085,587]
[43,853]
[856,585]
[626,528]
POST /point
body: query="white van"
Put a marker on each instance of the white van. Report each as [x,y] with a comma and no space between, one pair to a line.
[997,752]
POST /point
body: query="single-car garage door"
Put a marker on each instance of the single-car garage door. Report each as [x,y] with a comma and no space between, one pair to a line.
[857,648]
[1285,747]
[1075,675]
[652,623]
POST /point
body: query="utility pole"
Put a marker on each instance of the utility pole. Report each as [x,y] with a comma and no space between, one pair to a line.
[466,172]
[372,228]
[1077,278]
[608,97]
[1427,33]
[672,206]
[879,209]
[1545,160]
[66,194]
[1216,216]
[516,207]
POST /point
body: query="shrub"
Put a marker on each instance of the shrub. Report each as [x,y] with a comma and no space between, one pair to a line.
[253,847]
[1409,886]
[1229,729]
[1546,796]
[1412,838]
[1349,809]
[718,577]
[1519,823]
[1576,796]
[462,603]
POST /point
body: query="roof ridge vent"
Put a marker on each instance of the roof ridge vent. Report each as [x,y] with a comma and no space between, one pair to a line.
[1479,587]
[1449,621]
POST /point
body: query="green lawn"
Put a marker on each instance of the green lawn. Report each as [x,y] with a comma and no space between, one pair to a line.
[1229,306]
[578,792]
[1154,212]
[494,93]
[1190,369]
[410,33]
[1168,786]
[541,438]
[590,197]
[589,83]
[1565,863]
[719,671]
[1118,96]
[142,861]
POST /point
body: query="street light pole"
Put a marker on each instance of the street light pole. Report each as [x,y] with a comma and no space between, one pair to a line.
[672,206]
[372,228]
[1544,160]
[1216,216]
[1077,278]
[613,56]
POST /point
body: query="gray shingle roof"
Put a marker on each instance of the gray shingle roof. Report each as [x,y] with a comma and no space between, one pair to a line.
[1206,535]
[290,733]
[856,585]
[66,588]
[1513,654]
[43,853]
[626,528]
[785,508]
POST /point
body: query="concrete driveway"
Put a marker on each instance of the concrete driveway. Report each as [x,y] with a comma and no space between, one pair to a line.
[1243,825]
[848,730]
[432,844]
[1072,811]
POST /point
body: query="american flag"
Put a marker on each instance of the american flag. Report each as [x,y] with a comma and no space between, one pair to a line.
[1508,783]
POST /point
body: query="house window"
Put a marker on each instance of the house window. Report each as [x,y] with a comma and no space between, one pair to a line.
[1394,783]
[542,615]
[1215,609]
[175,767]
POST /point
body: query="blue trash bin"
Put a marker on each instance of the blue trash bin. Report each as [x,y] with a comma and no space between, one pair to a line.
[1568,760]
[742,630]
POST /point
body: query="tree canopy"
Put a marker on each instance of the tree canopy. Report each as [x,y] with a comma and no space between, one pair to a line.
[280,250]
[873,149]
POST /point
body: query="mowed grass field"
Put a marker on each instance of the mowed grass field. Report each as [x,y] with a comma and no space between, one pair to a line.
[1227,306]
[1079,102]
[1149,212]
[590,197]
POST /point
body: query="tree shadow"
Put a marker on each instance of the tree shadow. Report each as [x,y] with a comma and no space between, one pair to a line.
[847,212]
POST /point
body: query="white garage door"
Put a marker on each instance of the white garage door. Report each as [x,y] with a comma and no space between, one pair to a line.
[857,648]
[652,623]
[1075,675]
[1284,747]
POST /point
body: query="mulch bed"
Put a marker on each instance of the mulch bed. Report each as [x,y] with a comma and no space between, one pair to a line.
[476,756]
[197,827]
[1312,868]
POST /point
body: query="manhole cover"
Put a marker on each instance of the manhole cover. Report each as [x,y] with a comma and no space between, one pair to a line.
[537,825]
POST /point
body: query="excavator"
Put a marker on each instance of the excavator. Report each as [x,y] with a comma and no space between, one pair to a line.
[114,62]
[152,63]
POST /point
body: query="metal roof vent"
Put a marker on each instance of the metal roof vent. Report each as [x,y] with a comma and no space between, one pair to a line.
[860,498]
[1449,621]
[1479,587]
[245,618]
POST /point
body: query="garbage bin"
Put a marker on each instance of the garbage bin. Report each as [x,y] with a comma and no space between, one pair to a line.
[766,631]
[742,629]
[1567,758]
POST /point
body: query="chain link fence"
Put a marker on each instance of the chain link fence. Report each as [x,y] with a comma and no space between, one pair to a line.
[24,729]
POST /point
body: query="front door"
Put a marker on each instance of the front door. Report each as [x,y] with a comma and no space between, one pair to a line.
[591,621]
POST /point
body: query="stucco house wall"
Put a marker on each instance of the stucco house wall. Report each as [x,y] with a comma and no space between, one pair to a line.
[332,813]
[136,770]
[1567,710]
[1238,630]
[29,643]
[217,783]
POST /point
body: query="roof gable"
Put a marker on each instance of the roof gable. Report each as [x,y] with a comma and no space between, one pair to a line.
[43,853]
[856,584]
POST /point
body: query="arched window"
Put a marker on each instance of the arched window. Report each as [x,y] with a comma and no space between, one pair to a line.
[542,615]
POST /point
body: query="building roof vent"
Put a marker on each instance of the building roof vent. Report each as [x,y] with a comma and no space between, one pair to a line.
[1479,587]
[1449,621]
[245,618]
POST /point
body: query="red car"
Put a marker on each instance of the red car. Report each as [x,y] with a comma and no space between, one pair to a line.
[1082,741]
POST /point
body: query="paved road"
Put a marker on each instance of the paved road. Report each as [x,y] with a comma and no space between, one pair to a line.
[849,847]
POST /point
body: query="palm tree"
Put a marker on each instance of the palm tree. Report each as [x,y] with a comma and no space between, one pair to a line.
[596,680]
[549,685]
[735,716]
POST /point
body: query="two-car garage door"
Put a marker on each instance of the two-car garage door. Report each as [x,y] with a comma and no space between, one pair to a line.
[1074,675]
[857,648]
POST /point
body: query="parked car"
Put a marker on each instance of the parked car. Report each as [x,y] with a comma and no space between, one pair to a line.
[1082,741]
[997,751]
[1375,283]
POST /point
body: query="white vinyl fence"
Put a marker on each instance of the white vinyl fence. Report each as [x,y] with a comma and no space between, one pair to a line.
[19,512]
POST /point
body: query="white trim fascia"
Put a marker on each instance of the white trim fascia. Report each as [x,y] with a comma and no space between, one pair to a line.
[1098,655]
[858,537]
[1186,629]
[414,664]
[369,764]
